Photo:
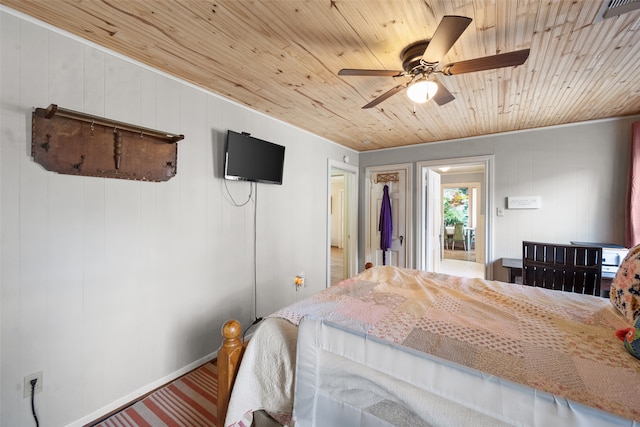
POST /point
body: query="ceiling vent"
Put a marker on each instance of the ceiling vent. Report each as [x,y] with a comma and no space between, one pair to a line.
[612,8]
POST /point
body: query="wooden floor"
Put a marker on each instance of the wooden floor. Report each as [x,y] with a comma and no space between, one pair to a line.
[461,262]
[337,268]
[460,254]
[463,268]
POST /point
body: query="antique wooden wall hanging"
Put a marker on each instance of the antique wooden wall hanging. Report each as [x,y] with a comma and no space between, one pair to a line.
[74,143]
[387,177]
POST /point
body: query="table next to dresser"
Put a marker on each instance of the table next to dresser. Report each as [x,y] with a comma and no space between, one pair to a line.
[514,267]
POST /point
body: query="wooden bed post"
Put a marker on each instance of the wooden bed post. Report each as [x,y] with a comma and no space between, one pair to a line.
[229,356]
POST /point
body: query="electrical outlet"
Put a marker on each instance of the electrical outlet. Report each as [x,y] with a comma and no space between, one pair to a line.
[27,383]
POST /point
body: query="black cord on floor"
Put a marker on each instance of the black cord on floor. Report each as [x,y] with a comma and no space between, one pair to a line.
[255,322]
[33,405]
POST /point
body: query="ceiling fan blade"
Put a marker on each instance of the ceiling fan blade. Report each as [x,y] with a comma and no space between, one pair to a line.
[385,95]
[358,72]
[443,95]
[508,59]
[449,30]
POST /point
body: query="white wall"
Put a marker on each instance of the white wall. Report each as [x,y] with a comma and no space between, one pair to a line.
[579,170]
[112,287]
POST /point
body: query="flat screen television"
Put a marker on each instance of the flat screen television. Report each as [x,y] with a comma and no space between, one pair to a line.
[252,159]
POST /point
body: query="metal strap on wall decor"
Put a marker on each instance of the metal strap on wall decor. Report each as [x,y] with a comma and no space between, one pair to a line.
[54,110]
[387,177]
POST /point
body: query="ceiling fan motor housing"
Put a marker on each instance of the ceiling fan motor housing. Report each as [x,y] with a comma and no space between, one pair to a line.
[412,54]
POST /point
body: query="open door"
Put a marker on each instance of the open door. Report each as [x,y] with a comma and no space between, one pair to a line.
[342,221]
[431,223]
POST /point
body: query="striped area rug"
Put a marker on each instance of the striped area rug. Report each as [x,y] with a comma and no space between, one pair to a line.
[188,401]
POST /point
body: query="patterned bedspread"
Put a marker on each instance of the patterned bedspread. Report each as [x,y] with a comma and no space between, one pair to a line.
[558,342]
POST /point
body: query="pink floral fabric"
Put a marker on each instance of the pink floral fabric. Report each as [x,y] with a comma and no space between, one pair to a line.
[625,288]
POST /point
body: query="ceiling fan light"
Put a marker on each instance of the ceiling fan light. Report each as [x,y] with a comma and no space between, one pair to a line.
[422,91]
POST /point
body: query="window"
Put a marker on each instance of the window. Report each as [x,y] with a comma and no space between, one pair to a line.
[460,204]
[456,206]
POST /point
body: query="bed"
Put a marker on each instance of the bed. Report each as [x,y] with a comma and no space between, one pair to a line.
[395,346]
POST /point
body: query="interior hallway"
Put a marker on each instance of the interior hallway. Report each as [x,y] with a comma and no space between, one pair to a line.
[458,263]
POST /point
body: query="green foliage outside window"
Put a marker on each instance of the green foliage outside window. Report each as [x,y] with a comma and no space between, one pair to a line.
[456,206]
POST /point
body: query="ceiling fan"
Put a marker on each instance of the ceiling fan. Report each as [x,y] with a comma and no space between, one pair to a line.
[420,62]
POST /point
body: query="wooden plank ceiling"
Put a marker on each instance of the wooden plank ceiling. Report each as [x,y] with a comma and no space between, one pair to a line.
[282,57]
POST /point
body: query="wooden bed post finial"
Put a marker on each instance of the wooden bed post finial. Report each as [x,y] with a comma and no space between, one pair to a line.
[231,331]
[229,355]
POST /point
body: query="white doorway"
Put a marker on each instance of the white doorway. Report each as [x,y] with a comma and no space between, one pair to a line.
[342,221]
[460,201]
[397,180]
[432,233]
[433,199]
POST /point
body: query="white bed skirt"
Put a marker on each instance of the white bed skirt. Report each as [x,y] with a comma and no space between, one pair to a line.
[345,378]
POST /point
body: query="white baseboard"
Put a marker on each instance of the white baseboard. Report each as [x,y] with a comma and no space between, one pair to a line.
[124,400]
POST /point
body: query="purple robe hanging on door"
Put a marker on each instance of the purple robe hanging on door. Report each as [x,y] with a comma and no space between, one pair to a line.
[385,227]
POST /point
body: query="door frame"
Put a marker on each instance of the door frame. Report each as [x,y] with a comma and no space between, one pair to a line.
[423,244]
[350,205]
[408,237]
[433,257]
